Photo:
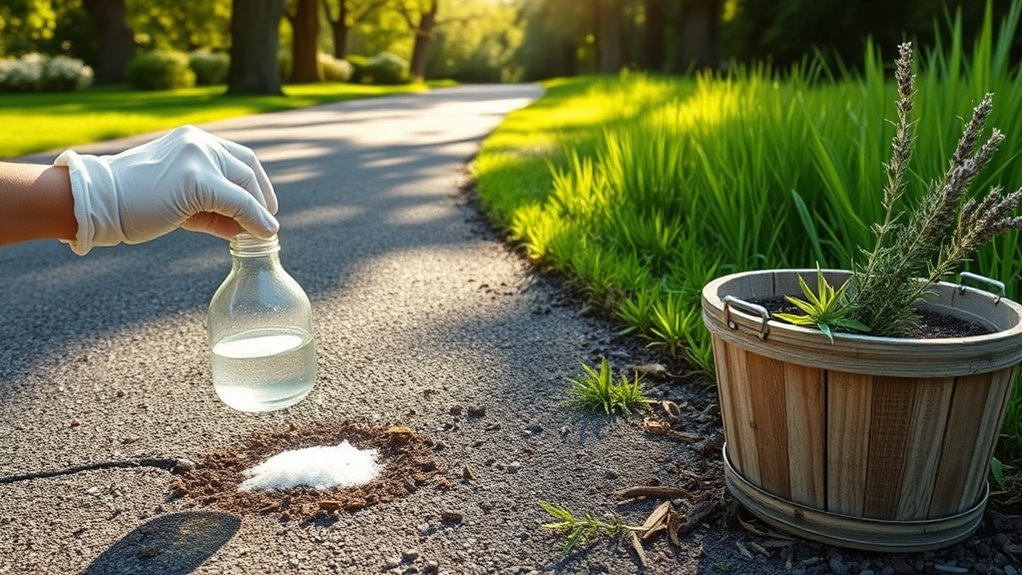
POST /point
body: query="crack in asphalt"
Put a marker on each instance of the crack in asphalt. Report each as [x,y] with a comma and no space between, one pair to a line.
[160,463]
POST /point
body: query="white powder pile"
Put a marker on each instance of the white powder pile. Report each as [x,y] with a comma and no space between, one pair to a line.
[320,467]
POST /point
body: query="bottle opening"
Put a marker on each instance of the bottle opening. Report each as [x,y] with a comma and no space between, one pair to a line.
[247,245]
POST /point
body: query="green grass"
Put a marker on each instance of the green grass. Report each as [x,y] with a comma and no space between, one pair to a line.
[38,122]
[640,189]
[596,390]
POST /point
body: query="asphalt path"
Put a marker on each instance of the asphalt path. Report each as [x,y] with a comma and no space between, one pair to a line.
[417,306]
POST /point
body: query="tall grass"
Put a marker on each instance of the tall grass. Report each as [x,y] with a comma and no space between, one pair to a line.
[642,188]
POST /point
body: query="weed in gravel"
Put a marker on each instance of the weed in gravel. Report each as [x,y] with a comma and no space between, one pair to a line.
[596,390]
[582,530]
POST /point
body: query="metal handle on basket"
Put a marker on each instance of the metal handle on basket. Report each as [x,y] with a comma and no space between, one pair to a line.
[968,275]
[729,300]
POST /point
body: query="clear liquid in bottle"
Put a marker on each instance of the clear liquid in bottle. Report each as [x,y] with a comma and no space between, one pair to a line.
[264,369]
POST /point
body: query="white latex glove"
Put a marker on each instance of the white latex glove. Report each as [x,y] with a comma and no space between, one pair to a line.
[188,178]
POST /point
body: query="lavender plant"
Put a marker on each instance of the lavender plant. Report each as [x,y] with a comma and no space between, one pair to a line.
[941,233]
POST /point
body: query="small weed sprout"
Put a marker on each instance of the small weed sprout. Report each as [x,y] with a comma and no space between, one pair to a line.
[597,390]
[826,309]
[582,530]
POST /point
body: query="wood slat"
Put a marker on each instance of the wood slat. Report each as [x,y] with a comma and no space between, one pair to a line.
[744,421]
[849,403]
[805,401]
[889,432]
[958,448]
[929,420]
[989,427]
[767,398]
[725,394]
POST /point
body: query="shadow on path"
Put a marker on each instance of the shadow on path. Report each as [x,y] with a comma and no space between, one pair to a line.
[169,545]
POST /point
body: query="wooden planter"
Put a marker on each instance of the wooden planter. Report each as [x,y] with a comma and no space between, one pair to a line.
[873,443]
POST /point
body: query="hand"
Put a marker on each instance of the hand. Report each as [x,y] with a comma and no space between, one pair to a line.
[188,178]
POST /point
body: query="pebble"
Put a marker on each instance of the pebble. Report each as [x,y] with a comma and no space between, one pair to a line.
[939,568]
[431,567]
[409,555]
[456,410]
[477,411]
[184,465]
[838,567]
[997,571]
[1001,538]
[392,563]
[439,446]
[452,516]
[489,462]
[1009,570]
[425,529]
[410,485]
[564,430]
[535,428]
[514,466]
[611,474]
[492,426]
[981,568]
[887,570]
[1000,559]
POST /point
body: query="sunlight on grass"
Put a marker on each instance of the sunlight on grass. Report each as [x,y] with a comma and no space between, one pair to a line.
[38,122]
[640,189]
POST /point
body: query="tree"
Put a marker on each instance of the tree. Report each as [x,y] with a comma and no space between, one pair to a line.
[349,15]
[255,29]
[609,22]
[180,25]
[653,47]
[700,34]
[304,21]
[423,33]
[115,40]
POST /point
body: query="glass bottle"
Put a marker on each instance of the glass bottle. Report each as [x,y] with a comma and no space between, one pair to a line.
[262,348]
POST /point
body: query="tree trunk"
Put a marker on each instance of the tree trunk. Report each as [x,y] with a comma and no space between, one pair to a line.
[653,51]
[423,33]
[700,30]
[304,43]
[115,40]
[340,29]
[255,30]
[609,16]
[569,58]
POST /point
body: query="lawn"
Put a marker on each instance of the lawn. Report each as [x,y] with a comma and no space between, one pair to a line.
[37,122]
[640,189]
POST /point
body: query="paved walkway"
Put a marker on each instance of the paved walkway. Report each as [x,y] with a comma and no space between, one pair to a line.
[416,310]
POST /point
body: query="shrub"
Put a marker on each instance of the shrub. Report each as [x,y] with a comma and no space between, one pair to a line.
[24,74]
[383,68]
[35,72]
[210,67]
[160,70]
[388,68]
[359,66]
[335,70]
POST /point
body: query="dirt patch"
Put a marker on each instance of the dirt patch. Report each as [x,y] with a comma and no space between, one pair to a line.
[407,458]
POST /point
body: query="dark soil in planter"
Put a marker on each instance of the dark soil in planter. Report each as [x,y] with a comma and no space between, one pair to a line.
[407,459]
[933,325]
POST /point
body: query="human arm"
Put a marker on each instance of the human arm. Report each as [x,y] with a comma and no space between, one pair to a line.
[187,178]
[35,203]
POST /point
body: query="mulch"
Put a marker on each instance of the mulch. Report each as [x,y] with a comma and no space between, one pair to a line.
[407,458]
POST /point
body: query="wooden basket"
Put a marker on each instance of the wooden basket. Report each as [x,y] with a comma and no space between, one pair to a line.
[873,443]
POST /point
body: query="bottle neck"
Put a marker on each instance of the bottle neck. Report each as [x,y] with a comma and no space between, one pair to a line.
[248,250]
